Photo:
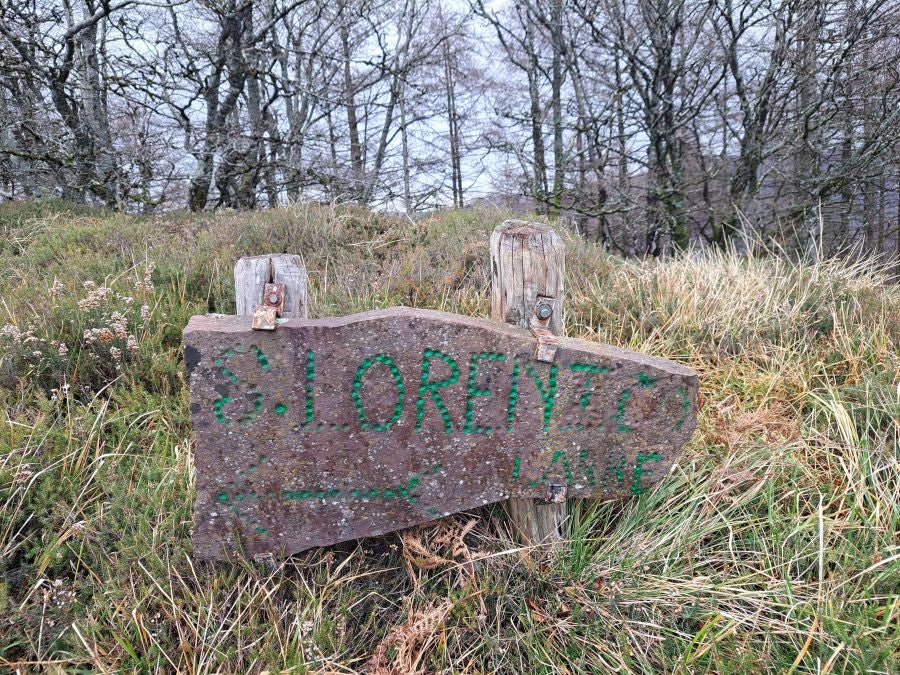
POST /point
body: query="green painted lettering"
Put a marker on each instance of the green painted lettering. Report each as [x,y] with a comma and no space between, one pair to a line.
[308,393]
[472,391]
[513,397]
[590,370]
[619,417]
[548,393]
[357,385]
[431,388]
[685,407]
[636,488]
[645,381]
[619,469]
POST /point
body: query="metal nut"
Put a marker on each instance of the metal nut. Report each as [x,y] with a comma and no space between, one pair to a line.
[273,298]
[544,311]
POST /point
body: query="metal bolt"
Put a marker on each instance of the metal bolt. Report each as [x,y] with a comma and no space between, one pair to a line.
[544,311]
[273,299]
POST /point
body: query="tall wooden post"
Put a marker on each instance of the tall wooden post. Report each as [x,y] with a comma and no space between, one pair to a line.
[252,273]
[527,272]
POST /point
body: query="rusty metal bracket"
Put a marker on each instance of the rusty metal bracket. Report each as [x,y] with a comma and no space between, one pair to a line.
[264,318]
[547,342]
[273,296]
[265,315]
[545,349]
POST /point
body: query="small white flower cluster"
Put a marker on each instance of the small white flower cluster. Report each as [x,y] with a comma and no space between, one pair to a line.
[59,347]
[56,289]
[18,337]
[94,335]
[23,473]
[113,330]
[56,593]
[11,333]
[119,325]
[109,323]
[113,333]
[29,346]
[147,284]
[62,391]
[95,297]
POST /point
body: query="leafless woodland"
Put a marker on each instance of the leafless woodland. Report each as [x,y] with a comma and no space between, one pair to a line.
[650,124]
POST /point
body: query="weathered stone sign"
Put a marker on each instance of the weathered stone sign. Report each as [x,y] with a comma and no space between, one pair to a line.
[334,429]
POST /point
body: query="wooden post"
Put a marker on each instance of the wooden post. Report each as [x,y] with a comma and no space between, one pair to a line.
[252,273]
[528,263]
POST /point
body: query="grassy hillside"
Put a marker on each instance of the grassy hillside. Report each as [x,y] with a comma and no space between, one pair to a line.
[772,545]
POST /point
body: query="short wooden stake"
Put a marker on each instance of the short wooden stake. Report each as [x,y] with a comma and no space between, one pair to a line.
[527,269]
[252,273]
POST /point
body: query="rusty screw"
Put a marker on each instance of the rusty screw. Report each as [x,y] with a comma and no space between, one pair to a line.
[273,299]
[544,311]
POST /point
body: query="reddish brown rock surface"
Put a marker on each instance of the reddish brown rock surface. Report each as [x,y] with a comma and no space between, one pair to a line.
[334,429]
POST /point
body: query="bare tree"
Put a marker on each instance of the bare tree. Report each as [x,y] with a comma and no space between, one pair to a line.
[648,124]
[60,52]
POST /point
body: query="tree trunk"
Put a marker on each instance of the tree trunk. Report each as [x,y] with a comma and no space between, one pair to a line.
[557,77]
[100,170]
[537,132]
[356,161]
[404,146]
[453,125]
